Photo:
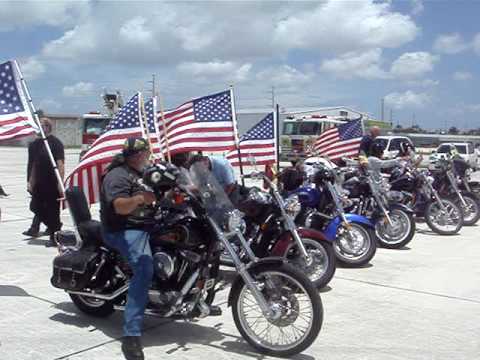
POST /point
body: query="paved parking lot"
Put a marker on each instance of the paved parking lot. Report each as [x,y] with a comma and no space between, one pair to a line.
[422,302]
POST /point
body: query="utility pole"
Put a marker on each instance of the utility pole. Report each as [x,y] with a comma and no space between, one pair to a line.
[413,120]
[154,90]
[383,109]
[273,97]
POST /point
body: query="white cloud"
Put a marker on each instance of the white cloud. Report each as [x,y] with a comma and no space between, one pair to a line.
[32,68]
[412,65]
[450,44]
[407,99]
[216,68]
[417,7]
[284,75]
[476,43]
[19,14]
[365,65]
[79,89]
[462,76]
[171,32]
[342,26]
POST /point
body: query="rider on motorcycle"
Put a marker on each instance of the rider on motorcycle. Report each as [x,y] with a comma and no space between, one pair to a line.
[124,203]
[408,151]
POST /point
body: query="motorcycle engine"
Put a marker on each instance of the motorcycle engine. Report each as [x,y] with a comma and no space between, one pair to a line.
[164,264]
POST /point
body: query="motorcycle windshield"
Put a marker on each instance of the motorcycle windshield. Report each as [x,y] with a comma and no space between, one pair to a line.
[214,199]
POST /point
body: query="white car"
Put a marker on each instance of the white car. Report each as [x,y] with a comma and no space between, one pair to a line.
[465,150]
[391,144]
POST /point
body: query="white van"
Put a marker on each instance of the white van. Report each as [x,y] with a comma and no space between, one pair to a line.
[391,144]
[466,150]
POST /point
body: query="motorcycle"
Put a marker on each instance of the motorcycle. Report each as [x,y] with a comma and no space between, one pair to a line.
[275,307]
[446,183]
[394,222]
[271,231]
[323,209]
[442,215]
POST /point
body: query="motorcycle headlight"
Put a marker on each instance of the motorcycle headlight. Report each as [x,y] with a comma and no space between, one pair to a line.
[235,221]
[293,206]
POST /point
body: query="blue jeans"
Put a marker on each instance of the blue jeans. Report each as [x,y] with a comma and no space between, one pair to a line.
[135,247]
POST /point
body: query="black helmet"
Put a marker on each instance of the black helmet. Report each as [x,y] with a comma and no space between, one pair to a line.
[162,176]
[323,175]
[405,146]
[376,149]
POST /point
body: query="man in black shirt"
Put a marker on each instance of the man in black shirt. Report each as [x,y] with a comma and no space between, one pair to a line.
[42,181]
[123,205]
[367,141]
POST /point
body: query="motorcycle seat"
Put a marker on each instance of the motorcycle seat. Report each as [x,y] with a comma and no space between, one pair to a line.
[89,230]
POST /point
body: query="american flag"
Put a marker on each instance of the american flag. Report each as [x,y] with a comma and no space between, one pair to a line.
[15,120]
[203,124]
[340,141]
[258,142]
[87,174]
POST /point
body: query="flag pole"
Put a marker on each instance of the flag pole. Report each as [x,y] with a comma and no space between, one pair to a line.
[42,133]
[144,123]
[157,127]
[34,114]
[235,133]
[165,134]
[277,134]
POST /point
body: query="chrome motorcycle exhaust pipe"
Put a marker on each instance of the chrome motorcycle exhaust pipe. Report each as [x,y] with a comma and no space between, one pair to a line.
[109,297]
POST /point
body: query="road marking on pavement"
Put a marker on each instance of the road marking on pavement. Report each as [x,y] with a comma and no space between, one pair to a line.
[410,290]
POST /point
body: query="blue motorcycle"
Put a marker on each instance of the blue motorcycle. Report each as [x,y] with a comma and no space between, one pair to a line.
[323,209]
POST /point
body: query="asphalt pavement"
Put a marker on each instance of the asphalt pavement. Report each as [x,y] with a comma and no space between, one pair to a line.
[421,302]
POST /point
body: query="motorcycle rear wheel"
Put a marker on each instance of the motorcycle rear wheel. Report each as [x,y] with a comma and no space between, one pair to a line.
[292,292]
[92,306]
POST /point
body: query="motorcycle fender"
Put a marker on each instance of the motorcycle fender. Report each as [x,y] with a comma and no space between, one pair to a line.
[285,240]
[402,207]
[331,230]
[238,281]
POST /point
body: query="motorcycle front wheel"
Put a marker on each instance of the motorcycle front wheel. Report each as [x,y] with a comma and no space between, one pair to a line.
[398,235]
[471,211]
[355,246]
[321,267]
[446,221]
[297,311]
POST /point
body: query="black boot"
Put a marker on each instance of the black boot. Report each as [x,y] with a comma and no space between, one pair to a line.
[132,348]
[51,242]
[31,233]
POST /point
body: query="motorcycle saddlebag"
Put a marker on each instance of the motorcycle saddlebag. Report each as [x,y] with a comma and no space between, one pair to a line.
[74,269]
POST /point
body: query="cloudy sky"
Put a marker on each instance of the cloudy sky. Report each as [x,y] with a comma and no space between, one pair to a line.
[422,57]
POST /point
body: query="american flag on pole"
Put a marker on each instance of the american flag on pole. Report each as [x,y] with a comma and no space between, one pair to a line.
[340,141]
[258,142]
[153,129]
[15,118]
[202,124]
[87,174]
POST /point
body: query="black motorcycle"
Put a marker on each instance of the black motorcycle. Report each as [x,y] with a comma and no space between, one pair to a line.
[394,222]
[415,188]
[271,231]
[446,182]
[275,307]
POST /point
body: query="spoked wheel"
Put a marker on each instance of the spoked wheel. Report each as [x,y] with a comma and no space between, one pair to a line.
[397,235]
[321,266]
[471,211]
[446,221]
[296,311]
[354,246]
